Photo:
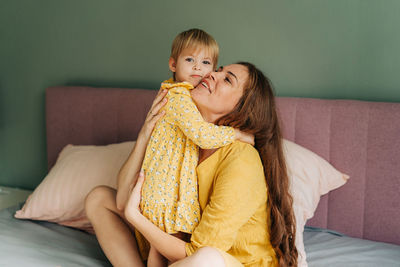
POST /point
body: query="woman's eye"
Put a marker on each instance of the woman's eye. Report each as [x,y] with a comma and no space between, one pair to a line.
[189,59]
[206,62]
[227,80]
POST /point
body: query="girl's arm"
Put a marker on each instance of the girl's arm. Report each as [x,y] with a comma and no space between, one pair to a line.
[169,246]
[128,172]
[182,112]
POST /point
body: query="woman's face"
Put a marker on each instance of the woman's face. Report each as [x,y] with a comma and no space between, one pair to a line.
[218,92]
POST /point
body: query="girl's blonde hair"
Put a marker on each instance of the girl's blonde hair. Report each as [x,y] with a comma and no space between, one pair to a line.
[195,38]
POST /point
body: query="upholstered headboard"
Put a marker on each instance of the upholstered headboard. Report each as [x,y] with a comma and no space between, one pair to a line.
[359,138]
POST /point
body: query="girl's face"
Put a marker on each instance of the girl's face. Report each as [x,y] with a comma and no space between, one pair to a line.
[192,65]
[219,92]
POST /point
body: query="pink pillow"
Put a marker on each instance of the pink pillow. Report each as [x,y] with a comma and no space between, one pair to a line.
[310,177]
[60,196]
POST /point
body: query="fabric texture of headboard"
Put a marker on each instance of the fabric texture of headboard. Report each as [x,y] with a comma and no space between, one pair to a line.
[359,138]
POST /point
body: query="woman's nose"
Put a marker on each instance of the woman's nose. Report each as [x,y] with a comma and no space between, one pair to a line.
[212,75]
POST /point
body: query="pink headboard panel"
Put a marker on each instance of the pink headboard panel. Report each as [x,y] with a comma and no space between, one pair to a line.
[93,116]
[359,138]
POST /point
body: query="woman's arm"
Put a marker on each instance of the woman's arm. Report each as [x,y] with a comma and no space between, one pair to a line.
[169,246]
[128,172]
[223,216]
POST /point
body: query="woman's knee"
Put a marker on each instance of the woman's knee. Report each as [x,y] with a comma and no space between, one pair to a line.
[97,198]
[207,256]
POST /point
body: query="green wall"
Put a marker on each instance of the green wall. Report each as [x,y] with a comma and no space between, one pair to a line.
[311,48]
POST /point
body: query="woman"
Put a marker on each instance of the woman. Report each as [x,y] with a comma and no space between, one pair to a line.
[243,223]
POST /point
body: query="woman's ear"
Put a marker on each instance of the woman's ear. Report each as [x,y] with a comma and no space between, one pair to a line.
[172,64]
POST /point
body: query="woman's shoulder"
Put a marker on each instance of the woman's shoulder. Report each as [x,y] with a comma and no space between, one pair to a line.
[241,150]
[241,164]
[241,156]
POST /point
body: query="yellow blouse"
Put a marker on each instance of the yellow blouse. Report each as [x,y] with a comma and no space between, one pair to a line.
[233,200]
[169,194]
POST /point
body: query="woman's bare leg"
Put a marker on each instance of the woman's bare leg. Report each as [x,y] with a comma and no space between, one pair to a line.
[115,236]
[203,257]
[156,259]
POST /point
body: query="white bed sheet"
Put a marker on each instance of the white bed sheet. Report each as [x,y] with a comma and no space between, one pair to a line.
[329,248]
[33,243]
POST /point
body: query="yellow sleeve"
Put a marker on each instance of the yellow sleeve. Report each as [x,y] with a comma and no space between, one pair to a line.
[182,112]
[239,190]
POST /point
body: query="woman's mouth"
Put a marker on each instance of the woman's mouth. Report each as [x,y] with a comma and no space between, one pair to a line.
[205,85]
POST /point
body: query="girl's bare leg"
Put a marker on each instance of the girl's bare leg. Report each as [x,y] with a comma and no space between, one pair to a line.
[114,234]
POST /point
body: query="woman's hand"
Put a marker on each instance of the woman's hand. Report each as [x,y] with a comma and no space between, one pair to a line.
[132,208]
[168,245]
[154,114]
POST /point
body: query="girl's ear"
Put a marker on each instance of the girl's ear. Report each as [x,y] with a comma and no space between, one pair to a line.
[172,64]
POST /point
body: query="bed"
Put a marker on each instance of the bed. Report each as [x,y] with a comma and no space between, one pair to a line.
[357,224]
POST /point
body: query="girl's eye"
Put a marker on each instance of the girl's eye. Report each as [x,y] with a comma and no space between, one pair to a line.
[206,62]
[227,80]
[189,59]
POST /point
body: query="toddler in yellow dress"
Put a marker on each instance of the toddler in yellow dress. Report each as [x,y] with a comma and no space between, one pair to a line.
[170,193]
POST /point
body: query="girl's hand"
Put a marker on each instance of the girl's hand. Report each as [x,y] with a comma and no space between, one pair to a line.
[244,137]
[154,114]
[132,206]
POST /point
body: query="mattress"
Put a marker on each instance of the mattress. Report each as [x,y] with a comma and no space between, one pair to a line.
[36,243]
[329,248]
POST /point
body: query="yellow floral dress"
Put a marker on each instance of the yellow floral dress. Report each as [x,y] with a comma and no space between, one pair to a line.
[170,190]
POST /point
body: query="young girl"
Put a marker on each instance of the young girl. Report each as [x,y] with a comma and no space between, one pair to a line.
[170,193]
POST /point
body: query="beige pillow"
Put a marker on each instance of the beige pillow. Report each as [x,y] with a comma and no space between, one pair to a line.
[310,177]
[60,196]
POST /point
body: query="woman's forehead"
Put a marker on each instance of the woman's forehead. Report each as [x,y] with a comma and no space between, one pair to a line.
[235,67]
[237,71]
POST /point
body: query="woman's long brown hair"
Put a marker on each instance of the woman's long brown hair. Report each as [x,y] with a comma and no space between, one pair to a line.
[256,113]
